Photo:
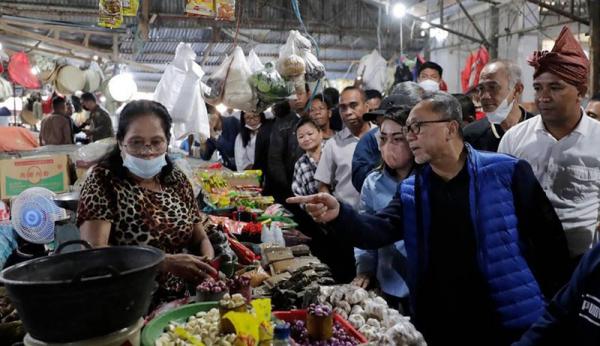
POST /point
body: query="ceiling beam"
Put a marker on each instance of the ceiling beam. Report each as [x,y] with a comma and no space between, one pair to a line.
[479,31]
[64,44]
[561,11]
[457,33]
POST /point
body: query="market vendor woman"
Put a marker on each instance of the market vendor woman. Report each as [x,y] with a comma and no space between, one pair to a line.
[136,196]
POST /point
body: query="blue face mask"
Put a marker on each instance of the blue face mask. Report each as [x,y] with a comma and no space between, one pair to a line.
[142,168]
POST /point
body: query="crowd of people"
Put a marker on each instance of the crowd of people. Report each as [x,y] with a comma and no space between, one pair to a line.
[465,223]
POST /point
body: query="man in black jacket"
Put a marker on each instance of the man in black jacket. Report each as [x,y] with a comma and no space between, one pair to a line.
[499,89]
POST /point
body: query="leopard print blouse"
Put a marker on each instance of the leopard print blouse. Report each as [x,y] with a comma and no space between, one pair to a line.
[139,216]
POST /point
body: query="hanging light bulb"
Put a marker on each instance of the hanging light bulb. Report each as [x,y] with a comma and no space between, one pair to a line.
[122,87]
[399,10]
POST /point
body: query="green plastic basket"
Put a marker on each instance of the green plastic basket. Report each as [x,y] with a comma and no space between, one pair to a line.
[156,327]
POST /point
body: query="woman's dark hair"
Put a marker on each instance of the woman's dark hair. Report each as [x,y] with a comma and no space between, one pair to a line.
[467,106]
[325,99]
[244,131]
[306,120]
[133,110]
[333,94]
[399,116]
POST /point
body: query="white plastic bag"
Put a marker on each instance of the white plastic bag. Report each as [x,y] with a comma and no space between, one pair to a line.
[254,62]
[372,69]
[179,91]
[238,92]
[290,64]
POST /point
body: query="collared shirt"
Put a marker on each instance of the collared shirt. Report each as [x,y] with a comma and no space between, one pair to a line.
[568,170]
[244,155]
[389,261]
[56,129]
[483,135]
[366,157]
[335,167]
[304,176]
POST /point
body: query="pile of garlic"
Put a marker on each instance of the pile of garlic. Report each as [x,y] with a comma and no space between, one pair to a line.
[203,326]
[371,316]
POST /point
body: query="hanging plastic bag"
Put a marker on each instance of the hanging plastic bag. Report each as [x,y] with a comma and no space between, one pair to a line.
[179,91]
[203,8]
[290,64]
[215,84]
[130,7]
[254,62]
[238,93]
[225,9]
[6,90]
[19,71]
[110,14]
[372,71]
[270,86]
[315,70]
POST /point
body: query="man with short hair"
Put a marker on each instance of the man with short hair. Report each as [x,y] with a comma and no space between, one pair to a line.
[100,125]
[57,128]
[561,143]
[484,245]
[499,91]
[373,99]
[334,171]
[430,76]
[593,107]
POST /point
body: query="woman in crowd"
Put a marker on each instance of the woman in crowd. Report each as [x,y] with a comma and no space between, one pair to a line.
[386,264]
[310,139]
[252,143]
[136,196]
[320,113]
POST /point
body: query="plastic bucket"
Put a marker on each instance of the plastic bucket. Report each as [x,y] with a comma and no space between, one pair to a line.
[129,336]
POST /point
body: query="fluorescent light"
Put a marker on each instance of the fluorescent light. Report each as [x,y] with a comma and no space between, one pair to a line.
[425,25]
[399,10]
[221,108]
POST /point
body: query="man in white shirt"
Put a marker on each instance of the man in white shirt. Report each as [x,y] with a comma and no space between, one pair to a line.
[562,143]
[335,167]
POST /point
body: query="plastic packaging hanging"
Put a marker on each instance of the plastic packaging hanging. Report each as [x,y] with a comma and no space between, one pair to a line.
[290,64]
[270,86]
[372,70]
[215,84]
[6,90]
[130,7]
[179,91]
[238,93]
[254,62]
[110,13]
[19,71]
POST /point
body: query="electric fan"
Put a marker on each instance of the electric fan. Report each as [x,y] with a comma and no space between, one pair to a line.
[34,214]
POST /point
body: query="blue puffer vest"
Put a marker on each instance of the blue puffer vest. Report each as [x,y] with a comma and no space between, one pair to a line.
[512,287]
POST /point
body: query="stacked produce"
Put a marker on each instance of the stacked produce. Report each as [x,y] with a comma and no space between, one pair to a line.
[370,315]
[204,327]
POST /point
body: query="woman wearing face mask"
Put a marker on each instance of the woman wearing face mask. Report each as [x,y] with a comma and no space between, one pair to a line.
[385,265]
[320,113]
[252,143]
[310,139]
[136,196]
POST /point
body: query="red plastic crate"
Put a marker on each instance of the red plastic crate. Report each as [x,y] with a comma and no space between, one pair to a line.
[295,315]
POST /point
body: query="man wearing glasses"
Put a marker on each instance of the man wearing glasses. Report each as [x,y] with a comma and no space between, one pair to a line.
[484,245]
[499,92]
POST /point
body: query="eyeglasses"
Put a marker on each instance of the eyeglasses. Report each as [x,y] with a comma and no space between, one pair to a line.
[415,128]
[139,146]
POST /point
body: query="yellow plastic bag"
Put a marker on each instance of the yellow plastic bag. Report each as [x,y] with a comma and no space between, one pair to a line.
[110,13]
[130,7]
[204,8]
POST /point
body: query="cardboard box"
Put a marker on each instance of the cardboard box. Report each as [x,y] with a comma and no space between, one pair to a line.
[49,171]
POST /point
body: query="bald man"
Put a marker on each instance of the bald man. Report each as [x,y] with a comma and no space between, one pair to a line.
[499,90]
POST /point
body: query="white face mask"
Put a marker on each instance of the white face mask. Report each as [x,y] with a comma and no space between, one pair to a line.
[501,113]
[429,85]
[142,168]
[253,128]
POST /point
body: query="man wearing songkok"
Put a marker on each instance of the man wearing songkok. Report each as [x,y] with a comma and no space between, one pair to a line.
[561,143]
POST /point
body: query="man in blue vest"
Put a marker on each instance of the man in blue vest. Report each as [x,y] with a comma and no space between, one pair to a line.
[484,244]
